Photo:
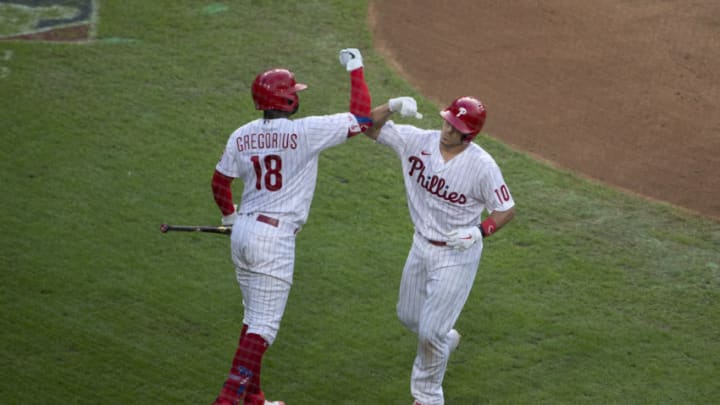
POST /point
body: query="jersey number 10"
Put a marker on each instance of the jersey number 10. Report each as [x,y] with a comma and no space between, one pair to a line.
[502,194]
[272,165]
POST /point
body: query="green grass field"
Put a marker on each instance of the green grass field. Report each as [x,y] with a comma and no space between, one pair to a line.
[590,296]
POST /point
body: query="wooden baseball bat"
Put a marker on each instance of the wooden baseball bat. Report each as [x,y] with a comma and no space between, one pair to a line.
[225,230]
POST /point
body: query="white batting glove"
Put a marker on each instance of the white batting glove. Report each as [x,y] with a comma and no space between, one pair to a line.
[351,58]
[229,220]
[463,238]
[406,106]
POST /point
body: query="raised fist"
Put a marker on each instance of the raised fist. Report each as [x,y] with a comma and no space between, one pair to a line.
[351,59]
[406,106]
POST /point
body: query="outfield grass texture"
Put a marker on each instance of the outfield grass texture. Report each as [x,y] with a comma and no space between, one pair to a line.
[590,295]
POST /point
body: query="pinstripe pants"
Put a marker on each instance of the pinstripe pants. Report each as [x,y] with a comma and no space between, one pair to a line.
[264,258]
[435,285]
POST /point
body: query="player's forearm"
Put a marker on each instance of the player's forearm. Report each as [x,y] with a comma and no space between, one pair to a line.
[495,221]
[360,100]
[222,192]
[379,116]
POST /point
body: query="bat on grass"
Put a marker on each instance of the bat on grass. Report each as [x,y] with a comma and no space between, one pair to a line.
[225,230]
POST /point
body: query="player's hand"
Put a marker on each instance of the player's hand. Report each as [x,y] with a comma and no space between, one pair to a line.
[463,238]
[406,106]
[351,58]
[229,220]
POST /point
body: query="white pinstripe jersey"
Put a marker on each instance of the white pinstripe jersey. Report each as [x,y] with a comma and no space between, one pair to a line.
[443,196]
[277,161]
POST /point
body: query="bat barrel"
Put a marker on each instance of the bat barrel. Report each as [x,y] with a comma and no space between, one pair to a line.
[225,230]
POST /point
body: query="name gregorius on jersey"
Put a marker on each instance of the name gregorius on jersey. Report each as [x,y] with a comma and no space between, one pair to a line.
[267,140]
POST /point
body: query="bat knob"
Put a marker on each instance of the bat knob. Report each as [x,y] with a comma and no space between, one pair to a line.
[164,228]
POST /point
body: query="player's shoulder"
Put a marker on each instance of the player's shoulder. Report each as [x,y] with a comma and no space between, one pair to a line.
[478,153]
[324,123]
[325,118]
[250,126]
[412,130]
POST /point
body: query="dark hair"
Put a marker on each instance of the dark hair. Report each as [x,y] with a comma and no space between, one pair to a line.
[272,114]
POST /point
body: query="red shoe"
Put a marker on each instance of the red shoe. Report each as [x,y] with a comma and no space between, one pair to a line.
[224,401]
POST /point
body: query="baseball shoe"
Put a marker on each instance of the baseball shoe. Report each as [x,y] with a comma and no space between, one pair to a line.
[224,401]
[274,403]
[453,339]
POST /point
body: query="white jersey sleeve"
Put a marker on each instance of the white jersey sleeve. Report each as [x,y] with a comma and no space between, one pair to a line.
[493,190]
[399,136]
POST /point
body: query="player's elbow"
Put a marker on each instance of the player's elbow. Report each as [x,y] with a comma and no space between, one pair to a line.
[363,125]
[220,181]
[508,215]
[503,217]
[372,133]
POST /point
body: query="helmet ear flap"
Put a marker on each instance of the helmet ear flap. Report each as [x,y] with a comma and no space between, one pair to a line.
[293,102]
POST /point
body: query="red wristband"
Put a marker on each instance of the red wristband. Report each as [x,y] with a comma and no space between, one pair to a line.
[488,227]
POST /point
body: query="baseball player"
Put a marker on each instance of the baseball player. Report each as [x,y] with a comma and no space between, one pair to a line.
[276,158]
[449,181]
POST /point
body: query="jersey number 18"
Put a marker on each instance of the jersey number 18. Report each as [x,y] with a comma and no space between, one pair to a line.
[272,177]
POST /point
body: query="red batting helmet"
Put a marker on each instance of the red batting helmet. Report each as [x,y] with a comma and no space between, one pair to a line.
[467,115]
[276,89]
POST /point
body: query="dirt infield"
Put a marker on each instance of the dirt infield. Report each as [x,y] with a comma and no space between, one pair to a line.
[627,93]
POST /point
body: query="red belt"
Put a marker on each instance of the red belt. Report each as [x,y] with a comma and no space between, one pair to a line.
[437,242]
[268,220]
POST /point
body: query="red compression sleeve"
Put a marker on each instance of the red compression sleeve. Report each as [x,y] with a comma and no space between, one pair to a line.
[222,192]
[360,100]
[247,365]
